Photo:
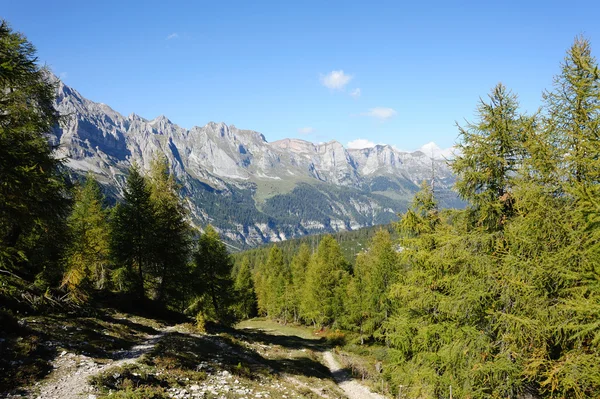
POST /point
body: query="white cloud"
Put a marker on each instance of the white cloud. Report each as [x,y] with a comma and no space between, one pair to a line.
[335,80]
[63,75]
[434,151]
[173,35]
[380,113]
[355,93]
[360,143]
[306,130]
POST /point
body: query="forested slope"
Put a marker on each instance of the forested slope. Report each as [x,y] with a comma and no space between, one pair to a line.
[499,300]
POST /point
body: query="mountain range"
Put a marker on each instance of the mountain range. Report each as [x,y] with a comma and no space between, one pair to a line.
[251,190]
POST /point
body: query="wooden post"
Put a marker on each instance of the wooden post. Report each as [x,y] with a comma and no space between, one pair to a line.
[450,391]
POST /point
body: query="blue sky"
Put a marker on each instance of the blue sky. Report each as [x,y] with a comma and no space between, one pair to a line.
[395,72]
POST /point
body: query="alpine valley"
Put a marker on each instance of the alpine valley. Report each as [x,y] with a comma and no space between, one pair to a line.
[250,190]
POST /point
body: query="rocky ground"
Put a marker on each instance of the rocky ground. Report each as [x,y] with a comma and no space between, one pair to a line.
[180,362]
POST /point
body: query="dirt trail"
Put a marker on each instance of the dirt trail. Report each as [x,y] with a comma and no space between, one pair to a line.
[352,388]
[69,379]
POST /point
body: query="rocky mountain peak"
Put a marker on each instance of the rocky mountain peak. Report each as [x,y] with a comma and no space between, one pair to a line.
[251,190]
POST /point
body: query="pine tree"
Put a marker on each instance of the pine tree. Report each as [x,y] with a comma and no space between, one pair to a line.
[211,276]
[88,252]
[132,244]
[171,238]
[490,152]
[33,203]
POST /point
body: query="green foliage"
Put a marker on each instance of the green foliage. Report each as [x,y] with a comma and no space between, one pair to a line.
[246,306]
[133,224]
[378,270]
[171,239]
[490,151]
[87,256]
[211,279]
[500,300]
[273,286]
[325,284]
[298,268]
[572,122]
[33,201]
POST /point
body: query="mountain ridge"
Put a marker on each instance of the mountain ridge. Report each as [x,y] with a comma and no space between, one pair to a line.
[253,191]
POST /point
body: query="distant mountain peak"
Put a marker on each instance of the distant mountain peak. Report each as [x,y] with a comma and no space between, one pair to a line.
[251,190]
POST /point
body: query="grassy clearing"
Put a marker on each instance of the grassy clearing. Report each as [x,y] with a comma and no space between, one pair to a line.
[274,328]
[267,188]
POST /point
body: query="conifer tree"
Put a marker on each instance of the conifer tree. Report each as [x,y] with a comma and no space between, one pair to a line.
[298,267]
[573,115]
[325,285]
[171,238]
[246,306]
[211,276]
[87,256]
[132,243]
[33,202]
[273,286]
[357,303]
[381,274]
[490,152]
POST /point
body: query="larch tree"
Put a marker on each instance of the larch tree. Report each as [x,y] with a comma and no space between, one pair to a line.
[325,285]
[382,273]
[244,287]
[573,114]
[489,153]
[88,253]
[273,283]
[298,267]
[211,278]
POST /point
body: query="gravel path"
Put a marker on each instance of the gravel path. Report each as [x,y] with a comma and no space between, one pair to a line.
[352,388]
[71,374]
[69,379]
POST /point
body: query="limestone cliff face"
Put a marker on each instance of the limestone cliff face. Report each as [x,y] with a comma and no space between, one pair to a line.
[251,190]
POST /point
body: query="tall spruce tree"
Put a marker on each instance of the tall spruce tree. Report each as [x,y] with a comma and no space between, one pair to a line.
[33,202]
[87,256]
[132,244]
